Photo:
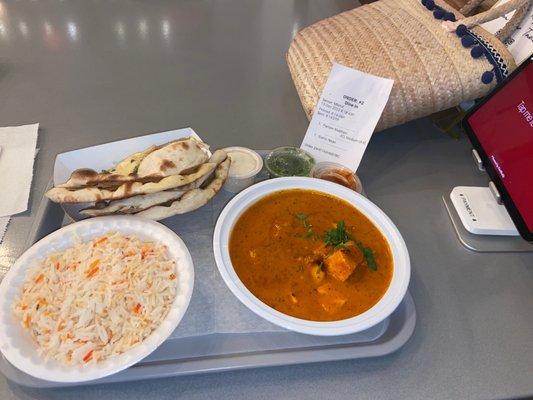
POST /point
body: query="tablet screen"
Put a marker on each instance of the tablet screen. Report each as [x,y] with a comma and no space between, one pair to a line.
[504,128]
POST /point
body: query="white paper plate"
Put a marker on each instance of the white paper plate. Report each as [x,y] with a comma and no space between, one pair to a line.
[381,310]
[16,344]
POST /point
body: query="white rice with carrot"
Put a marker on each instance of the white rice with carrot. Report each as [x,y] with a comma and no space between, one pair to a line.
[97,299]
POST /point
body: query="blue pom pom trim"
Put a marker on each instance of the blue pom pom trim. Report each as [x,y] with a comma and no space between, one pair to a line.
[468,39]
[461,30]
[439,14]
[487,77]
[477,52]
[449,16]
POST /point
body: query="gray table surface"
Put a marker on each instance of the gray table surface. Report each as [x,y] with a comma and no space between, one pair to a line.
[96,71]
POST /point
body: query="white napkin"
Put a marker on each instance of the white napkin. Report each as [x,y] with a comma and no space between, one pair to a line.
[16,167]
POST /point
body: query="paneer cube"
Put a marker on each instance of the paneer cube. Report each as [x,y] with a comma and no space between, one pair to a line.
[333,303]
[325,288]
[330,300]
[340,264]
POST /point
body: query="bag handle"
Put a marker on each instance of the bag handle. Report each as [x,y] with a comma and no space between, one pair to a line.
[470,6]
[521,7]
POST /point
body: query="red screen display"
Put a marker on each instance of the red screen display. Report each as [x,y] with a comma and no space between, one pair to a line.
[504,128]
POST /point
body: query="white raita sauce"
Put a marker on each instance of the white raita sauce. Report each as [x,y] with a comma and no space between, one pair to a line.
[241,163]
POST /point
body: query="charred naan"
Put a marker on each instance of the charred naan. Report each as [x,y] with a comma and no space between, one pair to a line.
[191,200]
[128,189]
[138,203]
[130,164]
[178,157]
[86,177]
[175,158]
[132,205]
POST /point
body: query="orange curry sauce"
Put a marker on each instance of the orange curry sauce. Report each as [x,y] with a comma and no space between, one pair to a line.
[274,254]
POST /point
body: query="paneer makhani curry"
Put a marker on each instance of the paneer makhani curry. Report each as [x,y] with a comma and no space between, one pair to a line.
[311,255]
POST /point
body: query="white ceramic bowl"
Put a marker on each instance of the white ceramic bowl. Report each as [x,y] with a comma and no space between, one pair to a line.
[381,310]
[16,344]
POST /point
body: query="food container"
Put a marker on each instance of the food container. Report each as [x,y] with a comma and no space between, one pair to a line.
[102,156]
[17,346]
[245,165]
[377,313]
[337,173]
[289,161]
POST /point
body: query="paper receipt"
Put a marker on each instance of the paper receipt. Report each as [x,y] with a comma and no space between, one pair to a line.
[346,115]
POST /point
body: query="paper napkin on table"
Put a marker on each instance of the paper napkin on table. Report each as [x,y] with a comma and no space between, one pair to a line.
[16,167]
[17,154]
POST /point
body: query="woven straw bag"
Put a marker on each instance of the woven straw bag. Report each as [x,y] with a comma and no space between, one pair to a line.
[436,56]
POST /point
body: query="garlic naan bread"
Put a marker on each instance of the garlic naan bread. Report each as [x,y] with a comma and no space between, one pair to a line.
[130,164]
[191,200]
[128,189]
[138,203]
[158,182]
[85,177]
[132,205]
[174,158]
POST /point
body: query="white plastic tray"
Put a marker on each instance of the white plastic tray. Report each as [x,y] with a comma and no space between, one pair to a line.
[222,351]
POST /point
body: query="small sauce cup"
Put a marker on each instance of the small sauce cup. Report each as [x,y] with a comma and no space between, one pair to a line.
[289,161]
[245,165]
[339,174]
